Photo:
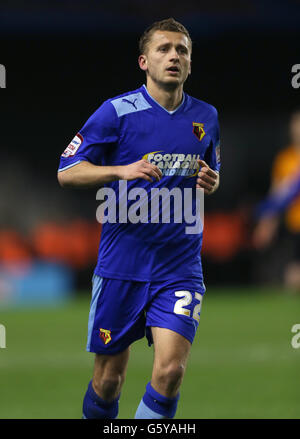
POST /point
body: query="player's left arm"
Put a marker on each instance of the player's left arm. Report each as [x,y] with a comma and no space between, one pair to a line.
[207,178]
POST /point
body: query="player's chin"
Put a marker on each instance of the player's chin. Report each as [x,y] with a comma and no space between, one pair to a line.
[172,80]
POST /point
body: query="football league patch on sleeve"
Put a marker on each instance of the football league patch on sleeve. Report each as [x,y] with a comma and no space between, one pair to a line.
[72,148]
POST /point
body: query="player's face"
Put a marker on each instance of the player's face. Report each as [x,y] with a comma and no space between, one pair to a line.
[167,60]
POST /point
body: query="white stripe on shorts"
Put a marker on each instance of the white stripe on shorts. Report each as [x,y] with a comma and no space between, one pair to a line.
[97,287]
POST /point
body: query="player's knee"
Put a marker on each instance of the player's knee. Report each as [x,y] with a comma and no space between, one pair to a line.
[171,375]
[108,387]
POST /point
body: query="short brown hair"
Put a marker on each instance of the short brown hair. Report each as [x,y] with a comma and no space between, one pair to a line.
[169,24]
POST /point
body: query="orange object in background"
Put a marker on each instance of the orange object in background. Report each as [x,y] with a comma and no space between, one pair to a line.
[13,248]
[286,165]
[224,235]
[50,242]
[83,238]
[75,243]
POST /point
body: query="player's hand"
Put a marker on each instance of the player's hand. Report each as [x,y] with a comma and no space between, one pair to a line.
[207,179]
[141,169]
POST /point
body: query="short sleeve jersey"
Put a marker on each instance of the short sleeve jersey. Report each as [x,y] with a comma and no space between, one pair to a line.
[126,129]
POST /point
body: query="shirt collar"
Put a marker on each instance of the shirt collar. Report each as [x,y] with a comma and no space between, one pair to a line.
[170,112]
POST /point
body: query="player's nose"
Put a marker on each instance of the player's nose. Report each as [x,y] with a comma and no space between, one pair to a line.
[174,54]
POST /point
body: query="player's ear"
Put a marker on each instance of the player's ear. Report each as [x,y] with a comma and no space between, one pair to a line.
[143,62]
[190,69]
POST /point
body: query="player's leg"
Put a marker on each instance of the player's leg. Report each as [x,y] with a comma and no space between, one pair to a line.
[116,320]
[109,374]
[101,400]
[171,351]
[173,314]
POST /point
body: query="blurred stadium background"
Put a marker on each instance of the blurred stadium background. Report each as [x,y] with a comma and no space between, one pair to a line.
[63,59]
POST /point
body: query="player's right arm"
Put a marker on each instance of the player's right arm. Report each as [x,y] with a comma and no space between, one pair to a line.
[80,163]
[86,174]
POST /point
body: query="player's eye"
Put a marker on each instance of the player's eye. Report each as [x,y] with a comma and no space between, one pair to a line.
[182,50]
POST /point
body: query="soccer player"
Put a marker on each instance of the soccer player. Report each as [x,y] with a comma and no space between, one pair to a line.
[148,279]
[284,198]
[280,199]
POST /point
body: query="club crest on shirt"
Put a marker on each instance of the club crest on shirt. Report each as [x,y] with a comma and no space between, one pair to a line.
[198,130]
[72,148]
[105,335]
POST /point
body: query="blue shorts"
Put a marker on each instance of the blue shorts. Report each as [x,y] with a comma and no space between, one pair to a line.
[123,311]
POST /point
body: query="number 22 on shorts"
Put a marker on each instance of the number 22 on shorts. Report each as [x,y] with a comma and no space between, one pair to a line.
[186,299]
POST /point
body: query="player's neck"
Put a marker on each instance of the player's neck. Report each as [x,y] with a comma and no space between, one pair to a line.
[169,99]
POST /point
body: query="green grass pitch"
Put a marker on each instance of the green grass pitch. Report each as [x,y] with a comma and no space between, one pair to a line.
[242,364]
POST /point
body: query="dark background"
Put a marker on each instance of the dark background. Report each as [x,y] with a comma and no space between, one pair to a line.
[64,58]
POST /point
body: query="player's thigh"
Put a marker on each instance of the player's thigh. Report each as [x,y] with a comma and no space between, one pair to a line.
[169,347]
[171,352]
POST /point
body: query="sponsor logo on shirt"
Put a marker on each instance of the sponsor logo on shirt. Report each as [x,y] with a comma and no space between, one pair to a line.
[130,102]
[174,164]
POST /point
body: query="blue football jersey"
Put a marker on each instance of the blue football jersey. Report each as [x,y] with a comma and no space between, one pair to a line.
[126,129]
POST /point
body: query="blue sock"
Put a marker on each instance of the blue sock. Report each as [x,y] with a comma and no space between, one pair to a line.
[156,406]
[95,407]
